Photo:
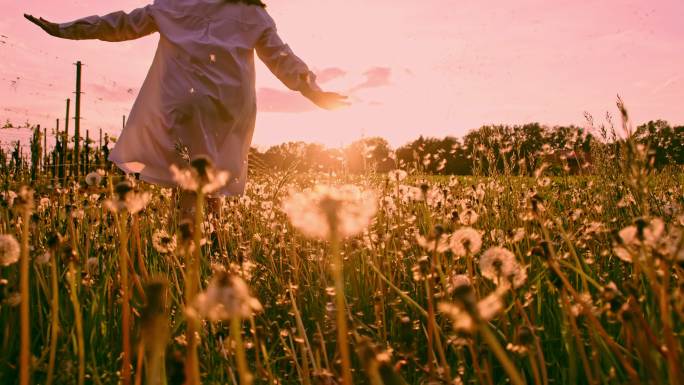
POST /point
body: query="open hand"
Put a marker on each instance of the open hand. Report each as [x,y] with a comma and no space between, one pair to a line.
[47,26]
[327,100]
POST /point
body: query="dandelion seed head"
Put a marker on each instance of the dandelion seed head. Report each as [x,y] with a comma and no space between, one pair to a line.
[315,211]
[397,175]
[163,243]
[125,197]
[464,241]
[93,178]
[200,176]
[461,320]
[226,297]
[468,217]
[499,265]
[9,250]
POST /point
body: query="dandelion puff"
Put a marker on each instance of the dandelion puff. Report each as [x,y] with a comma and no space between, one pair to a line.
[126,198]
[93,178]
[623,254]
[163,242]
[397,175]
[465,240]
[200,176]
[9,250]
[432,243]
[315,211]
[491,305]
[518,235]
[544,182]
[456,281]
[499,265]
[468,217]
[461,320]
[466,314]
[648,234]
[227,296]
[43,258]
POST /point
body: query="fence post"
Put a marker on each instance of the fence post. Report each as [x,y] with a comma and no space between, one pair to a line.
[77,120]
[65,145]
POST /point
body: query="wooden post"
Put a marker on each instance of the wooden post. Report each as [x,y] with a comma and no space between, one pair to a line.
[45,156]
[86,166]
[55,156]
[99,159]
[65,144]
[77,120]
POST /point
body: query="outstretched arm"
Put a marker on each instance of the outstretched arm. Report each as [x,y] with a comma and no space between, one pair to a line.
[116,26]
[292,71]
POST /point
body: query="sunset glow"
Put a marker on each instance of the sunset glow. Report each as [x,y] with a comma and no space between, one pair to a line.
[434,68]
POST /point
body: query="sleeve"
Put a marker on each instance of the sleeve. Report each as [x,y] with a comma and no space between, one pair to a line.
[283,63]
[116,26]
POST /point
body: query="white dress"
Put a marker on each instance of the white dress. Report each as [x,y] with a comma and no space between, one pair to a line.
[199,95]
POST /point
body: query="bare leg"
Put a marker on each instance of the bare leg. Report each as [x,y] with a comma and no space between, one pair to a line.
[214,206]
[187,199]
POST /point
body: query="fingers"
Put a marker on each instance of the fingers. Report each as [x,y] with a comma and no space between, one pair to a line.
[45,25]
[30,18]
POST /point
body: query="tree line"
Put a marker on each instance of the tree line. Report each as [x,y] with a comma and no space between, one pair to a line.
[488,150]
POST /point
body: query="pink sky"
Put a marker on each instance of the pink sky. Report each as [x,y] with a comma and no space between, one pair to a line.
[432,67]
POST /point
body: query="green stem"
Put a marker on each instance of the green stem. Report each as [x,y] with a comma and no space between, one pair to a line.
[342,341]
[125,304]
[191,290]
[243,369]
[500,354]
[54,314]
[73,288]
[25,352]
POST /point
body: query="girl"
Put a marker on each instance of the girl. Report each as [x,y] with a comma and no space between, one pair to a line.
[199,94]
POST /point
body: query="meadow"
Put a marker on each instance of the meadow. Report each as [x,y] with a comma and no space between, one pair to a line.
[323,278]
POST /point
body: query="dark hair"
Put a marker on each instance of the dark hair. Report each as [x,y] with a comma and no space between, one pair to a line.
[249,2]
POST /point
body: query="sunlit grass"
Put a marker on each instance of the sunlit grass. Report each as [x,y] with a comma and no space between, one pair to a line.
[546,279]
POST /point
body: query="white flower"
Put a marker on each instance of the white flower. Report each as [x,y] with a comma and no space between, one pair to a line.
[9,250]
[465,240]
[315,211]
[226,297]
[499,265]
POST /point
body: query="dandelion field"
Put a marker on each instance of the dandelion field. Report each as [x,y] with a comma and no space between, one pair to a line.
[398,278]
